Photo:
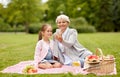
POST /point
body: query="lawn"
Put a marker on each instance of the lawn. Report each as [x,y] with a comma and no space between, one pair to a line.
[20,47]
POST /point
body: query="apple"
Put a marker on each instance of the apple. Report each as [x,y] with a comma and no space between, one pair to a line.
[30,71]
[34,70]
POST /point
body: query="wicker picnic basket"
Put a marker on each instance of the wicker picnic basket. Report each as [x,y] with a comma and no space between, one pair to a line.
[105,66]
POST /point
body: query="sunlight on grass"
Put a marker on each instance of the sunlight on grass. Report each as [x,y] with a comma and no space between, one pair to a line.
[16,47]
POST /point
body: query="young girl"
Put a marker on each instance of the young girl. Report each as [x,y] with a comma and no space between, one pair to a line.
[44,49]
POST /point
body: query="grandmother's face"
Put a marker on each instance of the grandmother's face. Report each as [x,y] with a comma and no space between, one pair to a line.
[62,24]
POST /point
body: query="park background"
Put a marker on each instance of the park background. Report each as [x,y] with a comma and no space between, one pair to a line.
[97,22]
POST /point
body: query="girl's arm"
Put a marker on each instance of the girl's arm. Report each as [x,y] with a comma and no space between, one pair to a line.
[37,54]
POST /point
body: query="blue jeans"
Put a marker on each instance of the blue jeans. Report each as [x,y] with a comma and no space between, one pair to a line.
[82,62]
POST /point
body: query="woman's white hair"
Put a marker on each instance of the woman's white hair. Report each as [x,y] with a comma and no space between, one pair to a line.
[64,17]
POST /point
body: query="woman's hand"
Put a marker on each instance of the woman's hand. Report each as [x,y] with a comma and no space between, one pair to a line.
[59,37]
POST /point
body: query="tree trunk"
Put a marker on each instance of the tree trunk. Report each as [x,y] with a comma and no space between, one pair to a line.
[26,27]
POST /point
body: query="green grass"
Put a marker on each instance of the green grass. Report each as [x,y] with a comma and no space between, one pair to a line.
[20,47]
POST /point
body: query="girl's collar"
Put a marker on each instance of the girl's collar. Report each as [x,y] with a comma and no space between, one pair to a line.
[47,42]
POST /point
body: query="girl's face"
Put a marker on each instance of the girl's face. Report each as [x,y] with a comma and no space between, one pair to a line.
[62,24]
[48,32]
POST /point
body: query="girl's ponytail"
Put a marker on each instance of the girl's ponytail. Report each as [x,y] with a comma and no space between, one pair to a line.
[40,35]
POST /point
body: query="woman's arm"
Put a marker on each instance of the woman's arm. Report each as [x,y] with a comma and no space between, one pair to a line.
[72,39]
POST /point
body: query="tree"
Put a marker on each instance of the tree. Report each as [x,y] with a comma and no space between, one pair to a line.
[55,7]
[116,15]
[97,12]
[22,12]
[28,11]
[105,16]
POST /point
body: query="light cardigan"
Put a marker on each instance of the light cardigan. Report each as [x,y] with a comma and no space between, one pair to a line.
[41,51]
[67,59]
[72,47]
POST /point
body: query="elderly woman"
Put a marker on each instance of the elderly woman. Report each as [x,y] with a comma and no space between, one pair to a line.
[67,47]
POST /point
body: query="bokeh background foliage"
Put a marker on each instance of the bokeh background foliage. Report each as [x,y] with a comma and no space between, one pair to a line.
[86,15]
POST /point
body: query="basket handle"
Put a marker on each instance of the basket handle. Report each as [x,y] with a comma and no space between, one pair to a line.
[98,50]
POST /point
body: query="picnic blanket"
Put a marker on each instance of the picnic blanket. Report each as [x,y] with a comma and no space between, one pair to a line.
[17,68]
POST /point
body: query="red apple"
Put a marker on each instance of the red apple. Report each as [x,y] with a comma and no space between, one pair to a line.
[34,70]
